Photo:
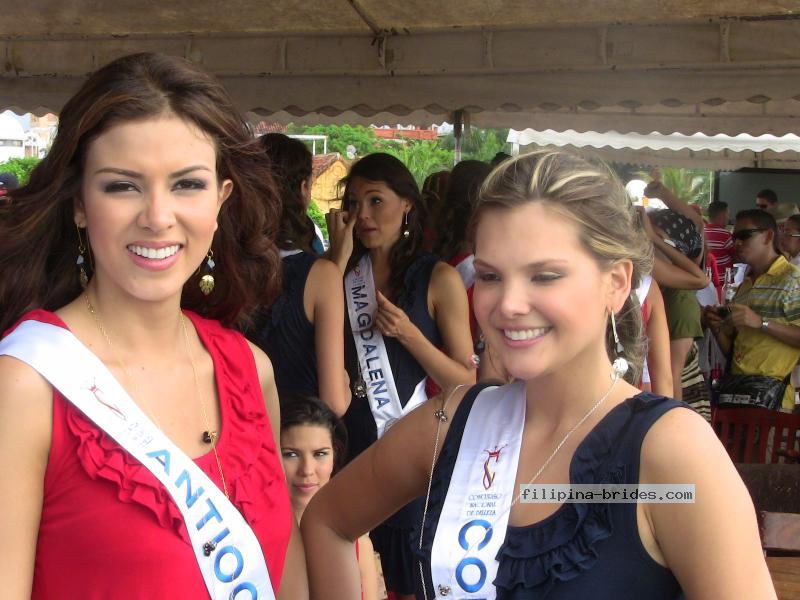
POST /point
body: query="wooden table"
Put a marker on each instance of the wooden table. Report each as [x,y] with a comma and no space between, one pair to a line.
[785,573]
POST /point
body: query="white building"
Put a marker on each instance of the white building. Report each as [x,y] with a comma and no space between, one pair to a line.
[12,138]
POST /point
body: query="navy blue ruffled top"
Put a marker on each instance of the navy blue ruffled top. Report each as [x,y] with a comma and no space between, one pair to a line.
[582,551]
[284,332]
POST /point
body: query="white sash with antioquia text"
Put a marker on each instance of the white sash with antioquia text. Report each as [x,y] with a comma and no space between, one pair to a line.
[474,518]
[227,551]
[362,304]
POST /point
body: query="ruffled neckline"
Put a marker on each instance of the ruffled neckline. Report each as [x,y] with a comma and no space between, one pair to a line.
[561,546]
[245,437]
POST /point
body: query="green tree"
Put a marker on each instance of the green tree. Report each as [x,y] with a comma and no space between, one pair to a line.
[421,157]
[316,215]
[693,186]
[21,167]
[341,136]
[479,144]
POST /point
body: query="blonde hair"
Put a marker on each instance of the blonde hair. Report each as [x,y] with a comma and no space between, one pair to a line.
[610,228]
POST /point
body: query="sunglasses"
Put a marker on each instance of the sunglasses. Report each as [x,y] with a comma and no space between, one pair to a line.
[746,234]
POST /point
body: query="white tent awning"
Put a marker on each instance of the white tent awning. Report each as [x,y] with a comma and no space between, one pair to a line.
[627,65]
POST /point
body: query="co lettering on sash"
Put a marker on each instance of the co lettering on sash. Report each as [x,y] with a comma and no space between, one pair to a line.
[473,579]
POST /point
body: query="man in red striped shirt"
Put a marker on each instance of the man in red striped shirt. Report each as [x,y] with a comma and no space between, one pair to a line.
[718,239]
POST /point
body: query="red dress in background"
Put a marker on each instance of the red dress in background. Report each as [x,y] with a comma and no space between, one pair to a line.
[108,528]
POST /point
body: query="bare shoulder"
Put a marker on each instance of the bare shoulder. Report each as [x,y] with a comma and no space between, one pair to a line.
[678,439]
[445,275]
[324,282]
[21,384]
[263,365]
[324,271]
[25,404]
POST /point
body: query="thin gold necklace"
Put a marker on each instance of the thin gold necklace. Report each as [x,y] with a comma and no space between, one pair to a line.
[209,436]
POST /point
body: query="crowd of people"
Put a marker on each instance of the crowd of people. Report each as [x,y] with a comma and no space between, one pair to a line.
[186,376]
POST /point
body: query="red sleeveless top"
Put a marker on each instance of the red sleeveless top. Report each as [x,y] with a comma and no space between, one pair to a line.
[109,529]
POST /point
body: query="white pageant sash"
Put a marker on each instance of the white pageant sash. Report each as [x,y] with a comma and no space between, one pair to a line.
[466,268]
[362,303]
[226,549]
[474,518]
[285,253]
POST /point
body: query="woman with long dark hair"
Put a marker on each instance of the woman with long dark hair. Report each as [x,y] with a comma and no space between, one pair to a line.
[403,305]
[138,454]
[303,331]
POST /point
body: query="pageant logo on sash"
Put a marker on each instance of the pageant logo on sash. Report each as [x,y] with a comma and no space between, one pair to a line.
[381,390]
[226,549]
[474,518]
[488,474]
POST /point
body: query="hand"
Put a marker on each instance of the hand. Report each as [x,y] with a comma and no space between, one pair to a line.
[392,321]
[340,232]
[711,318]
[744,316]
[655,189]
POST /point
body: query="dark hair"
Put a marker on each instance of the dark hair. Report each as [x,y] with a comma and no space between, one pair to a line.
[291,166]
[38,236]
[499,157]
[298,409]
[795,219]
[592,197]
[768,195]
[387,169]
[459,202]
[762,220]
[716,208]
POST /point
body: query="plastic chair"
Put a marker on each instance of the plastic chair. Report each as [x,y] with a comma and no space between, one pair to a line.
[758,435]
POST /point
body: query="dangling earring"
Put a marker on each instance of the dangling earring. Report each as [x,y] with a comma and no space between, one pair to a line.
[81,262]
[406,231]
[207,280]
[620,366]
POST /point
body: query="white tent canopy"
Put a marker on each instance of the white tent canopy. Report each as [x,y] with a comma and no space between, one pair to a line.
[630,65]
[718,152]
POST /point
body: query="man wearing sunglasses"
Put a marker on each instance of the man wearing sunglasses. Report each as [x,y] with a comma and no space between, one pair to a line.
[761,332]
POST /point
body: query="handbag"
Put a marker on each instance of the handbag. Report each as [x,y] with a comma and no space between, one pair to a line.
[751,390]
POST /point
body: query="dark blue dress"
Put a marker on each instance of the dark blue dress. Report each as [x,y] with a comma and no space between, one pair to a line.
[392,539]
[582,551]
[286,335]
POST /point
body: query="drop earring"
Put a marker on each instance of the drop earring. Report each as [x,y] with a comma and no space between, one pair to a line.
[406,231]
[207,280]
[81,261]
[620,366]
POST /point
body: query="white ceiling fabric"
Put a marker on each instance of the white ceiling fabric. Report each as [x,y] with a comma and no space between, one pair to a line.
[629,65]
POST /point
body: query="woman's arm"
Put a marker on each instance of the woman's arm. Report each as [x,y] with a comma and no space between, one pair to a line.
[382,479]
[658,361]
[448,300]
[323,300]
[294,581]
[367,569]
[26,417]
[712,544]
[680,275]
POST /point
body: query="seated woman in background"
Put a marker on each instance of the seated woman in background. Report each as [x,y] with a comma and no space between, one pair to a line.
[557,255]
[313,447]
[138,433]
[303,331]
[403,304]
